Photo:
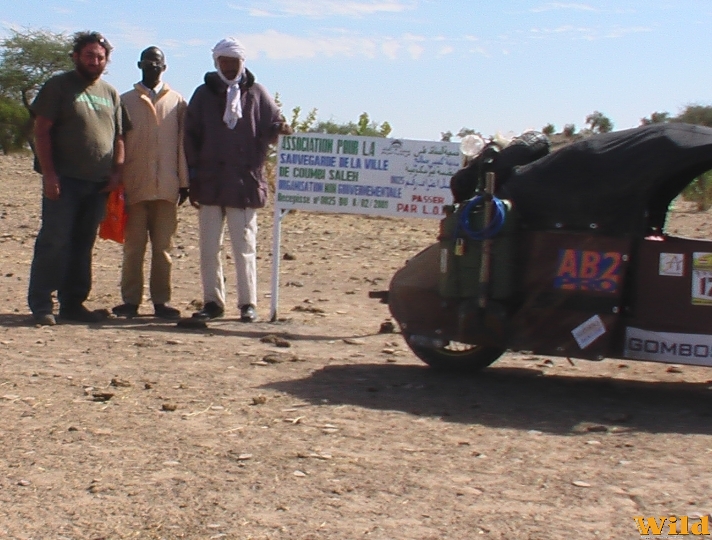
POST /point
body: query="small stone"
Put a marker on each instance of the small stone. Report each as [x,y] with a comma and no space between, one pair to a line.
[24,483]
[300,474]
[674,369]
[387,327]
[102,396]
[169,407]
[581,484]
[597,428]
[259,400]
[277,341]
[289,257]
[120,383]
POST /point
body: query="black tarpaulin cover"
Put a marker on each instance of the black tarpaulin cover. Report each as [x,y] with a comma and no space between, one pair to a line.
[618,183]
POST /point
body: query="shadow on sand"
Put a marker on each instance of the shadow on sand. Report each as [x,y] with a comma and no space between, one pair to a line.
[518,398]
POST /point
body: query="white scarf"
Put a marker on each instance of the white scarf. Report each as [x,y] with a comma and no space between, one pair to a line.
[231,48]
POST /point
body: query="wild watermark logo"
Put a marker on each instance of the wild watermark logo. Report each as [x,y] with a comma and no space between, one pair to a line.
[673,525]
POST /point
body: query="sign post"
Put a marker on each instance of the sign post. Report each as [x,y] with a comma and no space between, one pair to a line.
[348,174]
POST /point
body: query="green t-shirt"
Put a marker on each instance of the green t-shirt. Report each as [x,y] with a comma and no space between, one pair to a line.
[86,119]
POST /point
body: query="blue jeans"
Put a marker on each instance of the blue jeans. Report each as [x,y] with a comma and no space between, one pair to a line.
[64,245]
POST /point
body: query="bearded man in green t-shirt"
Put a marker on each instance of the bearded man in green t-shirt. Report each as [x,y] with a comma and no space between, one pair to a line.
[80,149]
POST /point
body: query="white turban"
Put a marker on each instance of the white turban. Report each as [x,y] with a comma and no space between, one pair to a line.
[231,48]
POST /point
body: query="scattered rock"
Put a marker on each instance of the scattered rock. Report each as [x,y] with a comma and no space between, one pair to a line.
[278,358]
[387,327]
[275,340]
[674,369]
[581,484]
[308,309]
[289,257]
[102,396]
[120,383]
[191,322]
[169,407]
[259,400]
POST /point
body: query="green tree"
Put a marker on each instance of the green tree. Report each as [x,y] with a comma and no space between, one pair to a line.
[599,122]
[14,125]
[364,127]
[656,118]
[27,59]
[700,189]
[696,114]
[548,130]
[569,130]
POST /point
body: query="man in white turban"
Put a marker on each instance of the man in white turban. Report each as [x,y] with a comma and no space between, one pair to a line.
[230,124]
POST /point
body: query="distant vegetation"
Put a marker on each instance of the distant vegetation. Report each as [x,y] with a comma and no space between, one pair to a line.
[29,57]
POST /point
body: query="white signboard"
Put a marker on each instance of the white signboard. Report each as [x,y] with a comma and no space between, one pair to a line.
[365,175]
[695,349]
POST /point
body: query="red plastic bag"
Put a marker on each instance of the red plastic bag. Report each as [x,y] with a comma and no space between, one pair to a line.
[114,223]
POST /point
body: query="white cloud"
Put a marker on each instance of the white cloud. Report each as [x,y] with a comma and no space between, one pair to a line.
[622,32]
[390,48]
[586,33]
[555,6]
[323,8]
[415,50]
[279,46]
[446,50]
[133,35]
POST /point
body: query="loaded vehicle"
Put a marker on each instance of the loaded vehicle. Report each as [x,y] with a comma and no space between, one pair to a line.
[565,256]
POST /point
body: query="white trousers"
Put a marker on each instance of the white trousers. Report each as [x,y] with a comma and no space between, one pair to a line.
[242,226]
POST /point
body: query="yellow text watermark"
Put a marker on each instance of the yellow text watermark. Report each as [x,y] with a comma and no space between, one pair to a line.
[673,525]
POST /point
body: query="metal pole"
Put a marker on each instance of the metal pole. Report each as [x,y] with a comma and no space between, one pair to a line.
[276,240]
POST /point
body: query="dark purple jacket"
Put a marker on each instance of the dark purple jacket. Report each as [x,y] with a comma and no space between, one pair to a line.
[226,165]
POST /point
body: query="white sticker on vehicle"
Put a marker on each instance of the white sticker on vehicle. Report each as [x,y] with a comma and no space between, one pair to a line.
[672,264]
[695,349]
[702,279]
[443,261]
[589,331]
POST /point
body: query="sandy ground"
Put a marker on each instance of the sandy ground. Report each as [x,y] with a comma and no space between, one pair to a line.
[318,426]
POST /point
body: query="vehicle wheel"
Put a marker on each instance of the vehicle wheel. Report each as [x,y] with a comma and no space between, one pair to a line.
[453,356]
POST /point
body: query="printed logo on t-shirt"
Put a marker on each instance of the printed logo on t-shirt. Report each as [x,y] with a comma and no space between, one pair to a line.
[95,102]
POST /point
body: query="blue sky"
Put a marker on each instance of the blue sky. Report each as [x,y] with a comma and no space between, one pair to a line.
[424,66]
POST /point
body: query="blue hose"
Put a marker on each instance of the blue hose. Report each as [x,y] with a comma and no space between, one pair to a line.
[491,228]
